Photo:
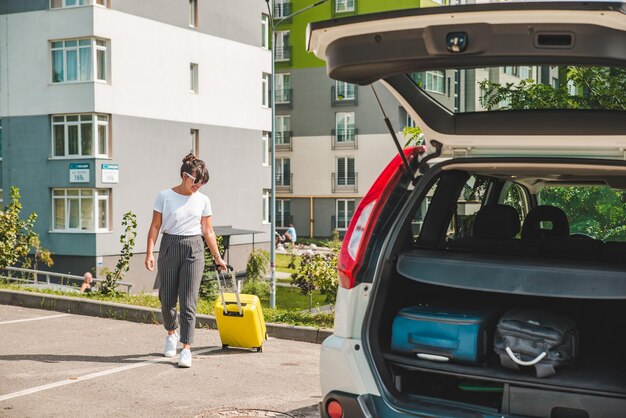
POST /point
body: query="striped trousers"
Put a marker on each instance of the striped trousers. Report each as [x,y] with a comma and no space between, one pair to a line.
[180,264]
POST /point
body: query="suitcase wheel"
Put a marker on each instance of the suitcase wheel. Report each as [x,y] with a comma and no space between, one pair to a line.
[224,346]
[259,349]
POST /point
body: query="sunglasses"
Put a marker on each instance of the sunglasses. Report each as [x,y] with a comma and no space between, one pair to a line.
[195,180]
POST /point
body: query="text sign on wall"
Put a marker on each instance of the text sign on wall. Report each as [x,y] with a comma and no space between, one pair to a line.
[110,173]
[79,173]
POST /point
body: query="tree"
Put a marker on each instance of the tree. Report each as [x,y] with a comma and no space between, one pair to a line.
[317,271]
[594,211]
[127,239]
[17,238]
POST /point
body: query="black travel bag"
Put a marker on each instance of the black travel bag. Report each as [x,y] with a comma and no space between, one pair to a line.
[532,337]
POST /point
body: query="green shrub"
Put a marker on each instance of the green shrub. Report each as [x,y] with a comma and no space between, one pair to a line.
[256,287]
[258,264]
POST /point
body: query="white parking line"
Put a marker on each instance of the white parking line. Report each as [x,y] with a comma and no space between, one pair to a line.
[94,375]
[33,319]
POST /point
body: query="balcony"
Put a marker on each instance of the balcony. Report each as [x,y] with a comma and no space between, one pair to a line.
[345,138]
[283,141]
[345,184]
[345,97]
[283,98]
[284,183]
[281,10]
[282,54]
[344,7]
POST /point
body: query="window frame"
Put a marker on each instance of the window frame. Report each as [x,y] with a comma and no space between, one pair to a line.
[96,123]
[101,3]
[194,136]
[94,60]
[266,215]
[349,136]
[194,86]
[346,171]
[347,217]
[265,90]
[346,4]
[97,196]
[265,150]
[282,87]
[283,41]
[342,86]
[193,14]
[1,139]
[282,221]
[265,31]
[435,81]
[285,175]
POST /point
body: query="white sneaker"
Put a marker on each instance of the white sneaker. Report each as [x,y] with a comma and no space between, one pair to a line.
[185,358]
[171,341]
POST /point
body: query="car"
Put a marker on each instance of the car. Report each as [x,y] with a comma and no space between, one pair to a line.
[515,200]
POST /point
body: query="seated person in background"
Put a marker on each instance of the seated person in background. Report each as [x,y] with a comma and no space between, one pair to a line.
[290,234]
[87,285]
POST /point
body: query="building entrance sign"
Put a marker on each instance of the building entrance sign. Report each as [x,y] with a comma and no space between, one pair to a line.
[110,173]
[79,173]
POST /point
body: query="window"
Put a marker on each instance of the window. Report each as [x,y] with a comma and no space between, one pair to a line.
[57,4]
[409,121]
[525,72]
[193,78]
[435,82]
[282,48]
[283,171]
[1,197]
[80,210]
[266,206]
[282,8]
[80,135]
[194,142]
[342,6]
[265,149]
[344,211]
[554,83]
[265,87]
[79,60]
[283,129]
[265,31]
[283,88]
[344,125]
[571,89]
[283,212]
[345,171]
[344,91]
[193,13]
[0,139]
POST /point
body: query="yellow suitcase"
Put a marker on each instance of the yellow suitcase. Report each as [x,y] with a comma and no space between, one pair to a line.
[239,319]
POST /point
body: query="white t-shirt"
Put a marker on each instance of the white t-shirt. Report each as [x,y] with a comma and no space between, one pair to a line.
[181,214]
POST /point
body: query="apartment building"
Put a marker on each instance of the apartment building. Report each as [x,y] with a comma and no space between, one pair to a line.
[331,139]
[101,99]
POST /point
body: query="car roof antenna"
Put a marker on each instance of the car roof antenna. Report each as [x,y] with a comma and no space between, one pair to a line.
[405,162]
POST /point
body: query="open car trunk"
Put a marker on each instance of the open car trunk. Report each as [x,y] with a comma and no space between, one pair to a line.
[583,279]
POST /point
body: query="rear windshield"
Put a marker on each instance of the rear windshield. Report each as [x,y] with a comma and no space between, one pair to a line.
[525,88]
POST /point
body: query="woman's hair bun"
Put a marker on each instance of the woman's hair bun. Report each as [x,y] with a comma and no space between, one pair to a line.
[189,158]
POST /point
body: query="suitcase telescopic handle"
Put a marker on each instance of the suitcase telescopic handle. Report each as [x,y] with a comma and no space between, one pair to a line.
[219,285]
[525,363]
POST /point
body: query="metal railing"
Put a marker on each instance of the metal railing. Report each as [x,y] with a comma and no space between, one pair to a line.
[284,183]
[283,98]
[345,138]
[282,54]
[283,141]
[339,99]
[349,183]
[282,9]
[40,277]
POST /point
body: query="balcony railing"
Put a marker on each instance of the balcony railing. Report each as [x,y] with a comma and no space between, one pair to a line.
[345,138]
[283,141]
[282,54]
[344,7]
[281,10]
[344,98]
[284,183]
[343,183]
[283,98]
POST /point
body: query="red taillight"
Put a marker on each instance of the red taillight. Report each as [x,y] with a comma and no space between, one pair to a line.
[334,409]
[362,224]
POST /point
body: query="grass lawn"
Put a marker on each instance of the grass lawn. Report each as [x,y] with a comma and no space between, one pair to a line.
[290,298]
[282,260]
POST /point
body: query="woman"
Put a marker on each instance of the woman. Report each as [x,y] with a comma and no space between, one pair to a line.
[184,217]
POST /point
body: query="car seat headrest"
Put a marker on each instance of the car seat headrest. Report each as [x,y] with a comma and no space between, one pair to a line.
[545,222]
[496,222]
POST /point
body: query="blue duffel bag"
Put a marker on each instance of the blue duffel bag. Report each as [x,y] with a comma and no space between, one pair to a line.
[438,333]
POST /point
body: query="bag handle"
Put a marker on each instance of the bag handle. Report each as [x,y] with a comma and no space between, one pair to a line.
[525,363]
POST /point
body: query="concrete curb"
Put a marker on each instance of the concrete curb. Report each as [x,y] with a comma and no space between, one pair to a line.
[82,306]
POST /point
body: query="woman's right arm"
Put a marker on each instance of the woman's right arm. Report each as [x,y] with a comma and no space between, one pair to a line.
[153,234]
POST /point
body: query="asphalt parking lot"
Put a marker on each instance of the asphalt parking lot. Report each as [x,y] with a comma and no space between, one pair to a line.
[63,365]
